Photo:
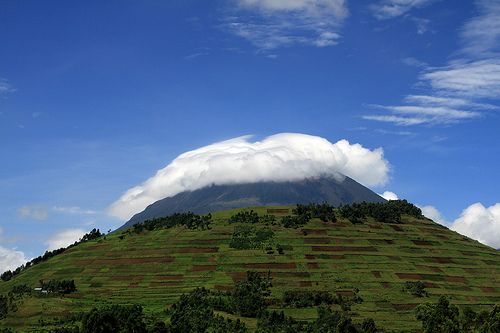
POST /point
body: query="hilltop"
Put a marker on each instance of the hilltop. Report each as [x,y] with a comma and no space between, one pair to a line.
[354,256]
[340,190]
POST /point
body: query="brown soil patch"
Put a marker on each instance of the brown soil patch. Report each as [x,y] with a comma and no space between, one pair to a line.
[171,277]
[409,276]
[203,241]
[344,249]
[312,232]
[291,274]
[132,261]
[128,278]
[377,274]
[203,268]
[134,285]
[165,284]
[442,260]
[396,228]
[345,293]
[459,279]
[422,242]
[429,268]
[488,289]
[310,256]
[238,276]
[474,298]
[212,259]
[343,241]
[198,250]
[394,258]
[431,285]
[223,287]
[375,226]
[404,307]
[305,284]
[312,265]
[271,265]
[316,240]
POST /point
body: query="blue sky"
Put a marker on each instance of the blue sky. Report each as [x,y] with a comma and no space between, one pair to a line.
[96,96]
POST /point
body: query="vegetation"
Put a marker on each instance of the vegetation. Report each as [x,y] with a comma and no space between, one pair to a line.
[415,288]
[249,237]
[93,234]
[388,212]
[59,286]
[189,220]
[152,269]
[324,211]
[446,317]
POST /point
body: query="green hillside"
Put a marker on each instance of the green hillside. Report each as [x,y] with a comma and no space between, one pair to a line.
[154,268]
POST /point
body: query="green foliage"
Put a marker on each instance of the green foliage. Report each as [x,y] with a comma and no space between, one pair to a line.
[252,218]
[194,313]
[447,318]
[189,220]
[306,298]
[59,286]
[368,326]
[388,212]
[294,221]
[114,318]
[333,322]
[248,237]
[245,216]
[248,297]
[4,306]
[324,211]
[440,317]
[415,288]
[277,322]
[7,275]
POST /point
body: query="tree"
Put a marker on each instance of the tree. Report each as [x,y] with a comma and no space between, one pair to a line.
[440,317]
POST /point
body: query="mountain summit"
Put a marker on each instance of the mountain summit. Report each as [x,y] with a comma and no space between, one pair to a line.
[221,197]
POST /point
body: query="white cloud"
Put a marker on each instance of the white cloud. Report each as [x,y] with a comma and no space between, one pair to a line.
[269,24]
[387,9]
[37,213]
[10,259]
[74,210]
[456,87]
[476,221]
[279,157]
[434,214]
[475,79]
[388,195]
[480,223]
[64,238]
[481,34]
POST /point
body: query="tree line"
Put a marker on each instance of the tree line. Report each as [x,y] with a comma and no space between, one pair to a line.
[7,275]
[189,220]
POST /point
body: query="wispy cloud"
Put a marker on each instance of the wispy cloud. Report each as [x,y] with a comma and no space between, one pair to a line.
[37,213]
[5,87]
[74,210]
[270,24]
[64,238]
[476,79]
[457,91]
[387,9]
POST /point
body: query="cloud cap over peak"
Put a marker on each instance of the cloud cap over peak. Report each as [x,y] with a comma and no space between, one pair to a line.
[280,157]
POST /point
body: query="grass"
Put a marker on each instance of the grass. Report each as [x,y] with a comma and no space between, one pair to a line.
[154,268]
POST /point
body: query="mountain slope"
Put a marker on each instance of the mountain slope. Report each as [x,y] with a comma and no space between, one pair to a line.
[220,197]
[154,268]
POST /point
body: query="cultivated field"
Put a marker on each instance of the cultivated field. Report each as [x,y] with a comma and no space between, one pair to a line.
[154,268]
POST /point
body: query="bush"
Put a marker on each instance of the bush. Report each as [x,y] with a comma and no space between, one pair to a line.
[415,288]
[248,237]
[114,318]
[248,297]
[388,212]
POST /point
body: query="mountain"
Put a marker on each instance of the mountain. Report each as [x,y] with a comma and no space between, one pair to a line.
[220,197]
[370,258]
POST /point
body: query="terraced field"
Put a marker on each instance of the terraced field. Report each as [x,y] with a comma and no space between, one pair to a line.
[154,268]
